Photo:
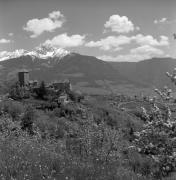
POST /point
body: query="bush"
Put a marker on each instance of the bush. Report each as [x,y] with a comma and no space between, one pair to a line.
[48,127]
[28,119]
[9,127]
[13,108]
[157,139]
[41,91]
[140,164]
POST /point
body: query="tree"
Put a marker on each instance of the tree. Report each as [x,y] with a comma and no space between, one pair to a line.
[28,119]
[16,92]
[41,91]
[157,139]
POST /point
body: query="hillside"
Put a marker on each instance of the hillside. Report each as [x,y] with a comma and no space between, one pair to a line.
[82,71]
[150,72]
[92,75]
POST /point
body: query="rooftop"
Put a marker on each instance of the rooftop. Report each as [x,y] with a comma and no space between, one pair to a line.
[23,70]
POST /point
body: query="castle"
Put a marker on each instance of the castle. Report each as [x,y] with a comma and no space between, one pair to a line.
[24,81]
[23,77]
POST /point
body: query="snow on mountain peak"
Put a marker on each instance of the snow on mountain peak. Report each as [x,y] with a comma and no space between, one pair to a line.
[42,52]
[46,51]
[4,55]
[43,48]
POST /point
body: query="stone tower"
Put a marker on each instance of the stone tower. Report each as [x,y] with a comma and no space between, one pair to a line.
[23,77]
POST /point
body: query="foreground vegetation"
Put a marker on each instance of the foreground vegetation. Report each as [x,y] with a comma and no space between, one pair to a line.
[95,137]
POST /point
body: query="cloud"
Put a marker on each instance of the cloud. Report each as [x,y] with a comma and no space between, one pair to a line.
[147,50]
[121,58]
[150,40]
[120,24]
[110,43]
[115,43]
[55,15]
[38,26]
[136,54]
[4,41]
[138,28]
[160,21]
[10,34]
[63,40]
[164,21]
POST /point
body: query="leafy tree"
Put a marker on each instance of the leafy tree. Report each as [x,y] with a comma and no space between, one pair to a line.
[28,119]
[157,139]
[41,91]
[16,92]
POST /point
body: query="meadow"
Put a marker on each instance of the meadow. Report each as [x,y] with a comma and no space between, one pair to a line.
[101,137]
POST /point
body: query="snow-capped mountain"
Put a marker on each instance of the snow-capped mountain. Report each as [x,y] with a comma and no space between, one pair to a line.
[42,52]
[9,55]
[46,51]
[77,68]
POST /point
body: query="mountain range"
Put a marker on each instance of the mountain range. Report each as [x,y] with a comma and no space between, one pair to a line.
[42,52]
[87,73]
[152,72]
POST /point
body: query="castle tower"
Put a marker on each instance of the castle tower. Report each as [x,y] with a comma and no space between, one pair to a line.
[23,77]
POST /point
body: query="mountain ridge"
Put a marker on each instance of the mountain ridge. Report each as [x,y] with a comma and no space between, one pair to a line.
[151,71]
[88,71]
[82,71]
[42,52]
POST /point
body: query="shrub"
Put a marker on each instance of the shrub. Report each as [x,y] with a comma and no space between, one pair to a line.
[13,108]
[41,91]
[9,127]
[28,119]
[140,164]
[157,139]
[48,126]
[57,112]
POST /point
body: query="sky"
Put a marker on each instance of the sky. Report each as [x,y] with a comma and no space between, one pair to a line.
[112,30]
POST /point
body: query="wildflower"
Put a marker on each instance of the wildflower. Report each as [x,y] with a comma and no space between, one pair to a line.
[139,149]
[131,147]
[145,113]
[168,74]
[157,138]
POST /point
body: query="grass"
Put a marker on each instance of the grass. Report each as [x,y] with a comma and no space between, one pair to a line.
[66,146]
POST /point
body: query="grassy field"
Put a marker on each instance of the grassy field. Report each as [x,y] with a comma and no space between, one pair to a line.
[81,140]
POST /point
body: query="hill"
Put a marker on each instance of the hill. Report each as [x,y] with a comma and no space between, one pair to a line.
[150,72]
[85,72]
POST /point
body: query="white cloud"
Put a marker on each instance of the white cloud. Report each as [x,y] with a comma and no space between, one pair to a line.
[160,21]
[63,40]
[115,43]
[120,24]
[55,15]
[10,34]
[150,40]
[121,58]
[4,41]
[138,28]
[136,54]
[38,26]
[147,50]
[164,21]
[110,43]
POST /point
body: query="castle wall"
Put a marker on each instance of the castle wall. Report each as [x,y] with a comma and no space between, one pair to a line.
[23,78]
